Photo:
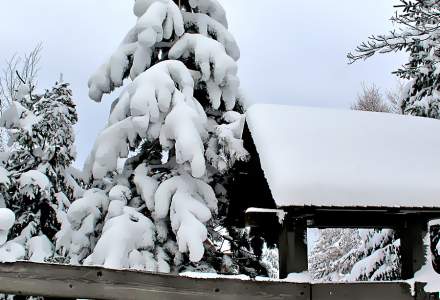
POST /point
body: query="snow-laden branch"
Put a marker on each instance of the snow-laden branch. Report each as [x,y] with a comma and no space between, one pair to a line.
[9,251]
[211,28]
[212,8]
[83,216]
[157,103]
[158,20]
[124,237]
[189,202]
[219,70]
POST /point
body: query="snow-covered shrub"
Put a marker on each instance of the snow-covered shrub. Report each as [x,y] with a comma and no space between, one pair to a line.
[178,126]
[9,251]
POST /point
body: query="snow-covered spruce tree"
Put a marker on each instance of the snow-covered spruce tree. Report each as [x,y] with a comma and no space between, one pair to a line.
[356,255]
[418,34]
[179,123]
[17,69]
[377,258]
[41,139]
[334,254]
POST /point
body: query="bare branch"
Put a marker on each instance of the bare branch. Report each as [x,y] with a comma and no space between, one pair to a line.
[371,99]
[16,71]
[19,77]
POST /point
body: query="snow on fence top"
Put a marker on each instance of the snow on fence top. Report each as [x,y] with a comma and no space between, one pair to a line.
[341,158]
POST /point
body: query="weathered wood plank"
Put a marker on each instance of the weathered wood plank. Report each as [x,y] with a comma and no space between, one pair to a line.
[97,283]
[362,291]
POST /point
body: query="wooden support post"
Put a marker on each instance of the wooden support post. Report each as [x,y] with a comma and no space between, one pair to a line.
[422,295]
[293,248]
[412,249]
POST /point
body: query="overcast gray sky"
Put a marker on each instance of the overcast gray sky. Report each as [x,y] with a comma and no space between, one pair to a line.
[293,51]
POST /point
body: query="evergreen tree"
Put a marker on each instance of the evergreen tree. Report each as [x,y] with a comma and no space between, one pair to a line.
[41,183]
[356,255]
[176,128]
[419,28]
[332,256]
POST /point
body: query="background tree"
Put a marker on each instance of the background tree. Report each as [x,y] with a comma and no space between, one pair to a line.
[417,34]
[355,255]
[178,126]
[41,135]
[371,99]
[16,71]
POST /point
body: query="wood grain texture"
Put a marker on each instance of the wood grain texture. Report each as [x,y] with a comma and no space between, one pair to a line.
[362,291]
[97,283]
[59,281]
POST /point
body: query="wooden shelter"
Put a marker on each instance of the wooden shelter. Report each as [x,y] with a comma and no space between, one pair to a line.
[289,202]
[326,168]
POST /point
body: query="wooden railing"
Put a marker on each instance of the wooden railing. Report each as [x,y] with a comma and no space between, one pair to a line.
[59,281]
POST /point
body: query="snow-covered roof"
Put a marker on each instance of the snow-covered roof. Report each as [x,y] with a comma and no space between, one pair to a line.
[342,158]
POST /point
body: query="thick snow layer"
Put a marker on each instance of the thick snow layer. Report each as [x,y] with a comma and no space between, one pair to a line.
[292,278]
[18,117]
[427,273]
[145,185]
[7,220]
[11,252]
[123,237]
[212,8]
[34,178]
[157,20]
[4,177]
[281,214]
[218,70]
[33,183]
[208,27]
[325,157]
[299,277]
[226,145]
[83,216]
[189,202]
[40,249]
[199,275]
[152,106]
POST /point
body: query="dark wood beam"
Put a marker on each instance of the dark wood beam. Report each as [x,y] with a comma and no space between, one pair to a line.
[360,217]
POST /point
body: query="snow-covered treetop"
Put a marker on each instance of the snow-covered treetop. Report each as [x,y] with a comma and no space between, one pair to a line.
[346,158]
[163,21]
[159,102]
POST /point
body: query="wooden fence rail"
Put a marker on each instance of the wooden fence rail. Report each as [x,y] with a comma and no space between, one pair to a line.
[59,281]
